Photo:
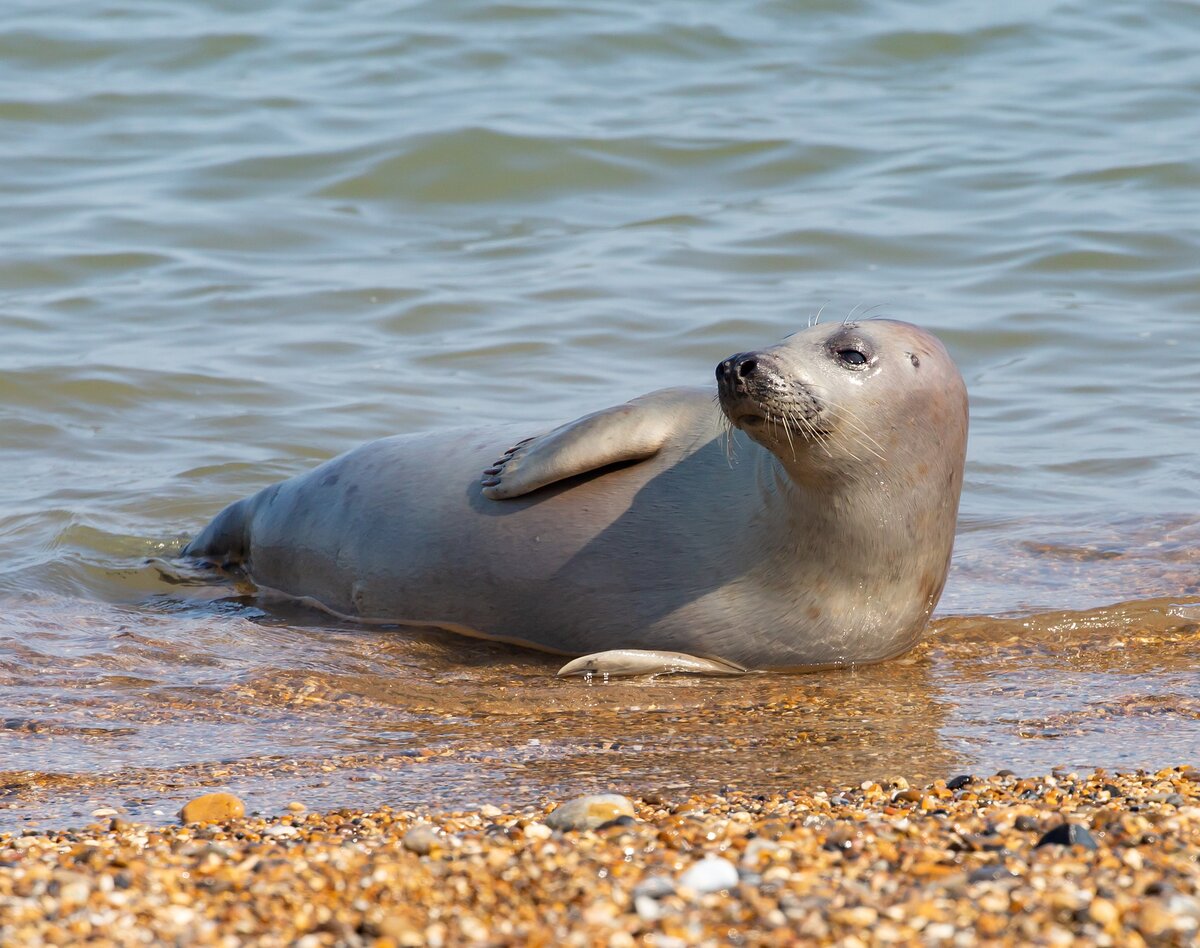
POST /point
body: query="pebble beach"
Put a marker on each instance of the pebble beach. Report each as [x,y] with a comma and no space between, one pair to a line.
[1063,858]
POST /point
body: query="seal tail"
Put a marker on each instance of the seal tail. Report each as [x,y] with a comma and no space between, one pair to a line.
[223,542]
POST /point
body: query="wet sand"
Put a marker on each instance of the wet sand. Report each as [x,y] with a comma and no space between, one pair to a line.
[955,861]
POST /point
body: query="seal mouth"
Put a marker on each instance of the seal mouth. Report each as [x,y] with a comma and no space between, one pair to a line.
[799,416]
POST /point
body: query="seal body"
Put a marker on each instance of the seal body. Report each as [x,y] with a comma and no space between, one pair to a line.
[819,535]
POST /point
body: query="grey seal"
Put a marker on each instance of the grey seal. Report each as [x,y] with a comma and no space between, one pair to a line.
[822,539]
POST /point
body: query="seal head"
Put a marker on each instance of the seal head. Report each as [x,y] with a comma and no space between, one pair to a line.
[850,400]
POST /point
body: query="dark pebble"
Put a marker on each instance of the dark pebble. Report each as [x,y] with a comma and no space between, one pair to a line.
[654,887]
[623,820]
[1005,773]
[1114,792]
[957,783]
[1069,834]
[1027,824]
[842,840]
[991,873]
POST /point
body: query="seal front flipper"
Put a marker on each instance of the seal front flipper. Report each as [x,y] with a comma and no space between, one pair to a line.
[625,662]
[630,432]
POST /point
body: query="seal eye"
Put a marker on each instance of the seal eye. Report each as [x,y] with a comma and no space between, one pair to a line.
[851,357]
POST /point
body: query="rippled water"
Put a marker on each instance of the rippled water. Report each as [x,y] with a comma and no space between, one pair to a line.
[243,238]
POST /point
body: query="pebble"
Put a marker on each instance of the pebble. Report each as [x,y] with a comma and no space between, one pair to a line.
[655,887]
[421,839]
[538,831]
[1184,905]
[212,808]
[1103,912]
[710,874]
[1069,834]
[647,908]
[993,873]
[585,813]
[756,847]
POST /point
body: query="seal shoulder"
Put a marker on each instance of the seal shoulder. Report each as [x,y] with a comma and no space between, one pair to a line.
[634,431]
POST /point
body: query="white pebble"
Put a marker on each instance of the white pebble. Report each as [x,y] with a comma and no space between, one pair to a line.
[647,908]
[710,874]
[538,831]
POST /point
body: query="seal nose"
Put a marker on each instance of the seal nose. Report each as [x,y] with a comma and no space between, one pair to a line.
[740,366]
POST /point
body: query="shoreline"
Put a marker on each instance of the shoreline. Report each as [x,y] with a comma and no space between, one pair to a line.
[952,862]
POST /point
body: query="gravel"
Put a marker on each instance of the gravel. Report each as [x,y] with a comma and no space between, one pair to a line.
[940,866]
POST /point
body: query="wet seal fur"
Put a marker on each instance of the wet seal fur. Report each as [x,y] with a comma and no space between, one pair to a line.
[823,539]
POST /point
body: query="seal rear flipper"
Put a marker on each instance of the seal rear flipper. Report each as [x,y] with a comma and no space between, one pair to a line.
[634,431]
[626,662]
[222,542]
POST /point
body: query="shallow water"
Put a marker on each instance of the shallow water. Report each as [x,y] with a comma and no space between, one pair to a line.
[240,241]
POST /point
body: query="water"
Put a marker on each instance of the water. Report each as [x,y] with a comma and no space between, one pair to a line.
[240,239]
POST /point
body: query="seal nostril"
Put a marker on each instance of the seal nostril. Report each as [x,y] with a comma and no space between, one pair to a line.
[723,369]
[746,368]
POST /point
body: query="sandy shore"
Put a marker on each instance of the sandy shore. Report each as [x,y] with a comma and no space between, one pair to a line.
[954,862]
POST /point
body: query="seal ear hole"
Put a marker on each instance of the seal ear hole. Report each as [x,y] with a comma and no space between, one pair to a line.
[912,357]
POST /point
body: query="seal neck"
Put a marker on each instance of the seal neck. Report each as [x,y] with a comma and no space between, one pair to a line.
[878,512]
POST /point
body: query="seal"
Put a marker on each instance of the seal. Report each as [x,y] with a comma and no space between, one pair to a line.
[823,538]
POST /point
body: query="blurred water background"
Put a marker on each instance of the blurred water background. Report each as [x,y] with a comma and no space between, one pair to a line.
[242,238]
